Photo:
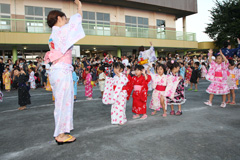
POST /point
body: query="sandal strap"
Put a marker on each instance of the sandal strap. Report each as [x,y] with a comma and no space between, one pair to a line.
[70,137]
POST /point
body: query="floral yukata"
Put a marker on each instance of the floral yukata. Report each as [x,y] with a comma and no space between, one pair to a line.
[61,44]
[32,80]
[163,86]
[234,76]
[116,93]
[140,87]
[179,94]
[88,86]
[217,75]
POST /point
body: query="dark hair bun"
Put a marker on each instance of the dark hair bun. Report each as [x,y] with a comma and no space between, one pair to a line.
[52,17]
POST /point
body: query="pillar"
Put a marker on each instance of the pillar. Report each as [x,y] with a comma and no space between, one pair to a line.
[156,53]
[184,28]
[119,54]
[14,54]
[3,56]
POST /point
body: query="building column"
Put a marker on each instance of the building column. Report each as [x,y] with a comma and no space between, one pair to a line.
[156,53]
[3,56]
[184,28]
[119,54]
[14,54]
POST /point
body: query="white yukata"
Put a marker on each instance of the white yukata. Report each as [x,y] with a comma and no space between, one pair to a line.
[102,83]
[61,44]
[170,82]
[32,80]
[115,93]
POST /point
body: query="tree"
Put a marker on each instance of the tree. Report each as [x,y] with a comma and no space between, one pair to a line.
[225,23]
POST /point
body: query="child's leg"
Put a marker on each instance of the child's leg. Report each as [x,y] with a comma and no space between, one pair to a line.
[172,108]
[75,96]
[224,98]
[229,97]
[102,94]
[211,97]
[196,86]
[191,85]
[180,107]
[162,101]
[233,95]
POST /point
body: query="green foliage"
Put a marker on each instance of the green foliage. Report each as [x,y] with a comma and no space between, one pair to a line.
[225,22]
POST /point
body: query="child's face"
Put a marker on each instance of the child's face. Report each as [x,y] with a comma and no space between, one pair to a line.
[219,60]
[16,72]
[195,66]
[138,72]
[160,70]
[231,67]
[116,70]
[100,71]
[176,69]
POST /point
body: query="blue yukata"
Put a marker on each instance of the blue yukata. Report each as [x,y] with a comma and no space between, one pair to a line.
[230,52]
[182,72]
[75,79]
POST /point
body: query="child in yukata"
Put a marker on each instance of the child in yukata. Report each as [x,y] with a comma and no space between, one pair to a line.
[163,86]
[115,93]
[217,75]
[234,75]
[32,78]
[179,95]
[101,79]
[64,35]
[196,74]
[139,85]
[75,81]
[88,85]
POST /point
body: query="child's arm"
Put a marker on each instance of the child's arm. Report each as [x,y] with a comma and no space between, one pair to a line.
[210,53]
[224,58]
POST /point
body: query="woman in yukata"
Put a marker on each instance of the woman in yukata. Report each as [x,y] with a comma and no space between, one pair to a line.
[61,42]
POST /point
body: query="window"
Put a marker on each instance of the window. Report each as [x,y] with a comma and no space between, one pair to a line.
[96,23]
[5,15]
[136,26]
[36,18]
[161,29]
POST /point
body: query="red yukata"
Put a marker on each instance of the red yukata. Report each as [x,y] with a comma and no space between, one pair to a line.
[139,96]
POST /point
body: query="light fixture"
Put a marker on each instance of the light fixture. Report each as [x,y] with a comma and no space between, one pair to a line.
[94,48]
[25,47]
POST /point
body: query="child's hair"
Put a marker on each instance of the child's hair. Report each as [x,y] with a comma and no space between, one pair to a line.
[203,64]
[87,70]
[102,68]
[122,66]
[197,63]
[52,17]
[7,69]
[139,67]
[231,62]
[189,64]
[163,67]
[117,65]
[43,66]
[226,44]
[172,64]
[128,67]
[182,63]
[17,68]
[32,68]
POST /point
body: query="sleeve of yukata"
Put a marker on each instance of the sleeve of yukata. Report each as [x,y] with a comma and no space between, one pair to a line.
[129,86]
[172,83]
[122,82]
[88,79]
[70,33]
[235,50]
[108,91]
[74,77]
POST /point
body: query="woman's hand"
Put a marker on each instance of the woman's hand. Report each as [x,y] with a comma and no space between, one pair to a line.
[78,3]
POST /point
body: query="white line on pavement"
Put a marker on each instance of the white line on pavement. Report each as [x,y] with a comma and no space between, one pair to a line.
[44,94]
[47,105]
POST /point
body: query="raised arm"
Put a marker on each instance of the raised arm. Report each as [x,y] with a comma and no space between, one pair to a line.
[210,54]
[79,5]
[224,58]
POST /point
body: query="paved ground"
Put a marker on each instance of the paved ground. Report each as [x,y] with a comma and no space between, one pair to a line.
[204,133]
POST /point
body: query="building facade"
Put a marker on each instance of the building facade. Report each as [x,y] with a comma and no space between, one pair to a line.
[118,26]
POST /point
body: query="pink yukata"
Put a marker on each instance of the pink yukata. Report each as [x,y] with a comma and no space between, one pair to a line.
[204,71]
[168,82]
[32,80]
[116,93]
[234,75]
[61,44]
[88,86]
[217,75]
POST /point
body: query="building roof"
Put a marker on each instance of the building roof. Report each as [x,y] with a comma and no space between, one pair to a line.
[179,8]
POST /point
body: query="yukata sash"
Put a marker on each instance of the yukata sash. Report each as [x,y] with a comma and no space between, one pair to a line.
[211,75]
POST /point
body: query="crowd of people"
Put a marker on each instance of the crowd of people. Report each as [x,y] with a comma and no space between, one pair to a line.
[117,77]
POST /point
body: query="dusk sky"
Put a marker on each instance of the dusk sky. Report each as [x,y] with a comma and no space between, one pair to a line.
[198,22]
